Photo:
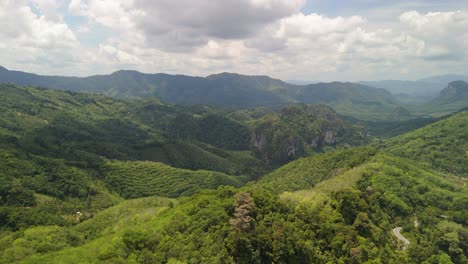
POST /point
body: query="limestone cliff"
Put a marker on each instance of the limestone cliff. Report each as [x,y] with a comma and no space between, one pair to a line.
[294,131]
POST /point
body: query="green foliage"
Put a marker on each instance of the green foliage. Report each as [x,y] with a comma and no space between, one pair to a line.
[223,132]
[213,129]
[57,178]
[55,144]
[360,101]
[388,129]
[225,89]
[302,129]
[342,222]
[306,172]
[196,156]
[442,145]
[451,99]
[140,179]
[83,129]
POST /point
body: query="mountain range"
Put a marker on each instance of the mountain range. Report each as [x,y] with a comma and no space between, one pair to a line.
[87,178]
[452,98]
[225,89]
[421,90]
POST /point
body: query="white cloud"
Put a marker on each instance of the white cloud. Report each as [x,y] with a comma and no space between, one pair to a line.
[185,24]
[48,8]
[444,33]
[270,37]
[110,13]
[30,39]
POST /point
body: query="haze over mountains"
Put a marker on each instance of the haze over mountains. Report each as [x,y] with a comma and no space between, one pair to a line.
[421,90]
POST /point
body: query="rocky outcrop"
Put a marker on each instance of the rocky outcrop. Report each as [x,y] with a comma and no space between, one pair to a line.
[455,89]
[259,141]
[289,133]
[329,137]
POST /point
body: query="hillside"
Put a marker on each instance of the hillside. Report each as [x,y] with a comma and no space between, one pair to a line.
[418,91]
[442,145]
[58,147]
[82,128]
[306,172]
[134,179]
[225,90]
[351,99]
[297,131]
[392,128]
[347,218]
[450,99]
[69,162]
[220,90]
[81,134]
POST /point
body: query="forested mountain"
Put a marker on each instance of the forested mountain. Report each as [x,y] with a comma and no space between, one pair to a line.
[422,90]
[342,213]
[87,178]
[297,131]
[225,89]
[442,145]
[96,150]
[452,98]
[58,148]
[84,127]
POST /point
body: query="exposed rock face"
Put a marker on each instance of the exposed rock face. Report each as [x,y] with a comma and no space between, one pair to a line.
[260,141]
[315,142]
[329,137]
[455,89]
[293,147]
[285,136]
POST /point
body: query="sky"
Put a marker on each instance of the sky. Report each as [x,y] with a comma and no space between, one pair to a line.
[326,40]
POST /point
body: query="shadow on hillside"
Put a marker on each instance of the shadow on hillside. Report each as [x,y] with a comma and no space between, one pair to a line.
[85,144]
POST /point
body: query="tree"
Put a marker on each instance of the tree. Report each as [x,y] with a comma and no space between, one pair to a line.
[243,206]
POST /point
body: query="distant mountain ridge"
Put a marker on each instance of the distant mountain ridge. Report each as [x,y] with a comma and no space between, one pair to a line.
[224,89]
[455,90]
[450,99]
[422,90]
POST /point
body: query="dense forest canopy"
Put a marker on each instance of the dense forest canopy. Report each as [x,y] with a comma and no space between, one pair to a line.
[233,132]
[88,178]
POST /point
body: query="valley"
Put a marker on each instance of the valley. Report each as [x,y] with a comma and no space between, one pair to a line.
[146,181]
[233,132]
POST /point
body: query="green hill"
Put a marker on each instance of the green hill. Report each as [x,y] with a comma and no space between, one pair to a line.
[347,218]
[451,99]
[133,179]
[392,128]
[84,128]
[224,90]
[301,130]
[306,172]
[442,145]
[69,161]
[352,99]
[55,148]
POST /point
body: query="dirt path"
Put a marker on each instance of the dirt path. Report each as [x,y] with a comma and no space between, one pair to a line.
[396,232]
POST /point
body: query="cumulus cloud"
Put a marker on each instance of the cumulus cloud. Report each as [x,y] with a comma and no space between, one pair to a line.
[186,24]
[28,38]
[48,8]
[272,37]
[444,34]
